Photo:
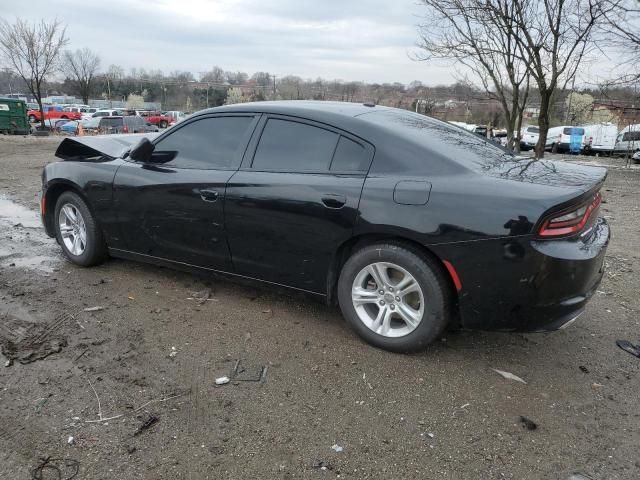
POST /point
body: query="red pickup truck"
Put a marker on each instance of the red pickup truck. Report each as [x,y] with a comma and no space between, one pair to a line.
[156,118]
[34,115]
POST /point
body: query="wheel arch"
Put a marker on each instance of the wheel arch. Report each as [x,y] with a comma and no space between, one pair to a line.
[53,192]
[353,244]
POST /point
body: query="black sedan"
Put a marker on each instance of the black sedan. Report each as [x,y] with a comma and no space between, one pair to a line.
[409,224]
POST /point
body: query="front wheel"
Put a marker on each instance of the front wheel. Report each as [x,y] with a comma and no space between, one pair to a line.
[77,232]
[32,118]
[394,298]
[163,124]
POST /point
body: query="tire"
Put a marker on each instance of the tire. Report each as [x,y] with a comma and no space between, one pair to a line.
[431,305]
[32,118]
[554,148]
[95,248]
[163,124]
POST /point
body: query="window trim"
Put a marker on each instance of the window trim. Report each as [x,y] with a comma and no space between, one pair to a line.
[247,162]
[237,161]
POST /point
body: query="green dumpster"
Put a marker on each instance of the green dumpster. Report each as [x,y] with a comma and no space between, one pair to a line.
[13,117]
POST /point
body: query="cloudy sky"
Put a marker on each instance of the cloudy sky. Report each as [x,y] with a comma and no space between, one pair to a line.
[369,40]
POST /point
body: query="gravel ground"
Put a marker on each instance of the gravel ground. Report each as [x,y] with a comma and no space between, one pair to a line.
[128,390]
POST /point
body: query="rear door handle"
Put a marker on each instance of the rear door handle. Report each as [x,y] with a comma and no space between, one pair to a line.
[208,195]
[333,200]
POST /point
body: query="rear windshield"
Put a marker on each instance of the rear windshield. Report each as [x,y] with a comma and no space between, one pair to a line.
[441,139]
[573,131]
[533,130]
[111,122]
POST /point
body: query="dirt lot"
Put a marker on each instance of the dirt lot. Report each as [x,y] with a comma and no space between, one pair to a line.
[162,337]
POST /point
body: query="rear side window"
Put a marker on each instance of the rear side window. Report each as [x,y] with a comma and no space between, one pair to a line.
[631,137]
[573,131]
[349,156]
[208,143]
[111,122]
[533,130]
[294,147]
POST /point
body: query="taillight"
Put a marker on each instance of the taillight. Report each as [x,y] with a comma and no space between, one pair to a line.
[569,222]
[125,129]
[590,140]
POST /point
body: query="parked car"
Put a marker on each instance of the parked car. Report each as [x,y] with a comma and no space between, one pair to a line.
[395,216]
[628,140]
[156,118]
[175,116]
[529,138]
[599,139]
[126,124]
[91,125]
[636,157]
[69,127]
[52,113]
[106,113]
[565,139]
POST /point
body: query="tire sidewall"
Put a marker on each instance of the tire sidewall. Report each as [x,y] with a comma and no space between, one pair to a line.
[92,252]
[436,314]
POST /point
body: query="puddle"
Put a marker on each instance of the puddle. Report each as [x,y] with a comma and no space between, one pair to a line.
[23,242]
[11,212]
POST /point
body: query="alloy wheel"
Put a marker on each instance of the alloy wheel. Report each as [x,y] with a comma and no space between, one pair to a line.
[387,299]
[72,229]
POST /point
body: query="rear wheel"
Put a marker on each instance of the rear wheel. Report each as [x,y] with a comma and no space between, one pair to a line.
[77,231]
[394,298]
[554,148]
[163,124]
[32,118]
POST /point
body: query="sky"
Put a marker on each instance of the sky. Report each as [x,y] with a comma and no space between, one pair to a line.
[352,40]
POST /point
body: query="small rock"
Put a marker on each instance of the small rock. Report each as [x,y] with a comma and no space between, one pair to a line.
[337,448]
[222,380]
[528,423]
[71,441]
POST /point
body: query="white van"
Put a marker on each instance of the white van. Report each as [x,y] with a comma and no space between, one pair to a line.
[559,138]
[529,138]
[628,140]
[599,138]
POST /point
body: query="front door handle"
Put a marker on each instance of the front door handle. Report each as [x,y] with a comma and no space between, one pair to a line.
[208,195]
[333,200]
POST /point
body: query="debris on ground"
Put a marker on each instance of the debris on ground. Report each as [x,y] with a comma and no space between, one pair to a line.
[322,465]
[629,347]
[250,374]
[579,476]
[60,468]
[508,375]
[147,423]
[528,423]
[173,352]
[337,448]
[93,309]
[71,441]
[201,297]
[583,369]
[222,380]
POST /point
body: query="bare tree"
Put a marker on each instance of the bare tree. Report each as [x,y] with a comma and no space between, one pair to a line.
[554,38]
[623,21]
[83,65]
[33,52]
[481,35]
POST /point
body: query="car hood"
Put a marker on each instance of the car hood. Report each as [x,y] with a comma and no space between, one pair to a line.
[546,172]
[98,148]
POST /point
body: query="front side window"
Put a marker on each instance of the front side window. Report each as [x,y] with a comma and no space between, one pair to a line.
[208,143]
[294,147]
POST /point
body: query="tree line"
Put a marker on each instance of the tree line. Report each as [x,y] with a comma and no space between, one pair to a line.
[519,52]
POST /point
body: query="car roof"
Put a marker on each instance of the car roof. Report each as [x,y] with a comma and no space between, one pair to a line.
[299,108]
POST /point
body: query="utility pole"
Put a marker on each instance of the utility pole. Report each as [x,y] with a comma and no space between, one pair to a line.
[274,87]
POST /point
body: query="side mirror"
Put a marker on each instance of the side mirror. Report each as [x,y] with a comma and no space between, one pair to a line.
[143,151]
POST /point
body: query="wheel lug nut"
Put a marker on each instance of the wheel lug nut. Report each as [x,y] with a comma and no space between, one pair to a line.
[391,289]
[381,292]
[392,306]
[397,299]
[381,302]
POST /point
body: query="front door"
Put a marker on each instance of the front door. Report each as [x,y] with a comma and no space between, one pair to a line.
[174,210]
[294,201]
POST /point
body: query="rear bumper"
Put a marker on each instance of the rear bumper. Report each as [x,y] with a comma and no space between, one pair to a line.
[534,285]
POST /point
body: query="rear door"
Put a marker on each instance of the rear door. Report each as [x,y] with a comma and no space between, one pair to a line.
[294,201]
[174,210]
